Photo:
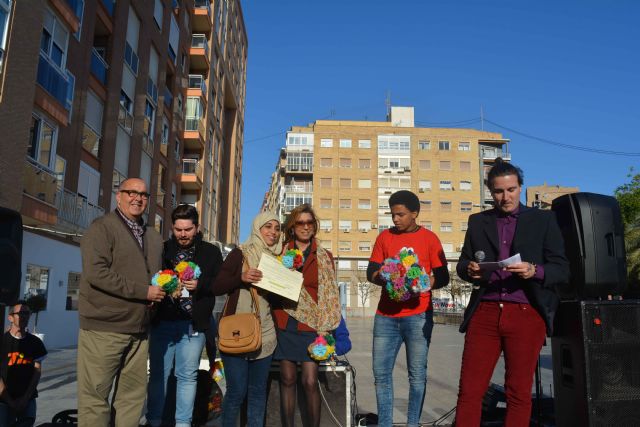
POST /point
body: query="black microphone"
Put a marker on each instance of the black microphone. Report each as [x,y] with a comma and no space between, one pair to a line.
[479,255]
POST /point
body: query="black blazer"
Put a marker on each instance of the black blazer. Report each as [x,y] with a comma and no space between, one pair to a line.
[537,239]
[209,258]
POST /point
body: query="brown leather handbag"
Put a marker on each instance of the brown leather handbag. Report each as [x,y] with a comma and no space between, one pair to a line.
[240,333]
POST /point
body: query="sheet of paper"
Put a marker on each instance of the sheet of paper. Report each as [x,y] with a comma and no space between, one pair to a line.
[491,266]
[278,279]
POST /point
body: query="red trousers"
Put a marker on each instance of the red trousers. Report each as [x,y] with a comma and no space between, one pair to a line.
[519,332]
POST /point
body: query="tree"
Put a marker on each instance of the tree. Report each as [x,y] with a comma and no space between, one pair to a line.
[628,196]
[36,303]
[366,290]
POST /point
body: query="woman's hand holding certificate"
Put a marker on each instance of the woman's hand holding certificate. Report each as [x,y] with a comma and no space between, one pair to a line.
[278,279]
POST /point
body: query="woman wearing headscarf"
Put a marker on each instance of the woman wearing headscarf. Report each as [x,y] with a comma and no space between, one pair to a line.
[298,324]
[247,374]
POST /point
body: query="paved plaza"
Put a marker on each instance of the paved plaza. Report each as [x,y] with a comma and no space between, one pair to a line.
[58,384]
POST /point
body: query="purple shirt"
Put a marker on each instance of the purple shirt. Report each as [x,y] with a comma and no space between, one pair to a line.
[503,286]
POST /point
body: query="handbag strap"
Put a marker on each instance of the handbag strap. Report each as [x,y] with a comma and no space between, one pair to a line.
[252,291]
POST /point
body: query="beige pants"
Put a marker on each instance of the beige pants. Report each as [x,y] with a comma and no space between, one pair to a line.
[102,358]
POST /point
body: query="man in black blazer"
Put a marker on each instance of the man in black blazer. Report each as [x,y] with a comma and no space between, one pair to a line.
[511,309]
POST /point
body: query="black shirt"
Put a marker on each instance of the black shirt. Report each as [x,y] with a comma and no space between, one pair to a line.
[18,362]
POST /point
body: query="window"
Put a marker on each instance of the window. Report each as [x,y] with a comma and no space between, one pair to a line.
[73,291]
[345,162]
[426,224]
[424,164]
[297,161]
[465,185]
[364,143]
[364,203]
[364,183]
[5,11]
[131,58]
[326,224]
[326,244]
[443,145]
[446,227]
[325,203]
[325,183]
[364,163]
[36,281]
[364,225]
[465,206]
[426,205]
[344,246]
[148,126]
[303,140]
[158,12]
[394,143]
[464,226]
[447,247]
[446,185]
[445,165]
[424,145]
[345,143]
[53,44]
[92,129]
[465,166]
[424,185]
[364,246]
[445,206]
[326,143]
[362,265]
[159,224]
[345,182]
[42,141]
[326,162]
[295,199]
[394,162]
[464,146]
[344,225]
[344,265]
[345,203]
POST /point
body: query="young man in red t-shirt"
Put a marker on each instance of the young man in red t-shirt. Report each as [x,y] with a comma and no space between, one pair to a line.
[409,321]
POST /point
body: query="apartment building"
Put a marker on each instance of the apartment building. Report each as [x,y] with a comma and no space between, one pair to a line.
[95,91]
[541,196]
[348,169]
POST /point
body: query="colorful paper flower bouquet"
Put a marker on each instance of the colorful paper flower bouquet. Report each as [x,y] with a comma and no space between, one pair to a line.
[292,258]
[405,277]
[170,280]
[323,347]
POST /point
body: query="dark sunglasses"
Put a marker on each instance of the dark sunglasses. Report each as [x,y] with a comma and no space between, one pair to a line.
[134,194]
[20,313]
[303,223]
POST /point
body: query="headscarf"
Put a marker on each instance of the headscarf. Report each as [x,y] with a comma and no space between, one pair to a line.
[255,246]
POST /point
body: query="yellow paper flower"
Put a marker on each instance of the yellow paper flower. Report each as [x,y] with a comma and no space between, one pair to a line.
[181,266]
[408,261]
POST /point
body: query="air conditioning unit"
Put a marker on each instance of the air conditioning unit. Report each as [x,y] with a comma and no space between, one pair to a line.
[328,230]
[387,191]
[421,190]
[374,225]
[387,171]
[407,169]
[363,230]
[345,230]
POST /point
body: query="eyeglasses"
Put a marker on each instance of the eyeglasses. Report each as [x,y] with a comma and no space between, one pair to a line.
[20,313]
[303,223]
[134,194]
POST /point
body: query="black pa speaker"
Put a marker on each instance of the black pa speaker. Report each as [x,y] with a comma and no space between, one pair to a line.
[335,396]
[593,235]
[596,368]
[10,255]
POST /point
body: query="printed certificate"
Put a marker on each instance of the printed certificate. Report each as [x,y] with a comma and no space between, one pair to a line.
[491,266]
[278,279]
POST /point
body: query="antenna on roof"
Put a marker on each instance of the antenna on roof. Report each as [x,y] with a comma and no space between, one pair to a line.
[387,102]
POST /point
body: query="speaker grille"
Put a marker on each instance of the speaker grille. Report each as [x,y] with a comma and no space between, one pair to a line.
[616,414]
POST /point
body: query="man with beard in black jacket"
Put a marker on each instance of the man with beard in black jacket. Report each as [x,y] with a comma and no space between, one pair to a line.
[181,323]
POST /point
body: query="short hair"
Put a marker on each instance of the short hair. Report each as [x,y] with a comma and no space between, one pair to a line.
[290,223]
[502,168]
[185,211]
[406,198]
[19,302]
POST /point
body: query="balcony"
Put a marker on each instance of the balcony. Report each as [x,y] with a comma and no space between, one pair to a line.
[297,168]
[53,81]
[491,155]
[99,67]
[191,176]
[76,211]
[40,182]
[299,187]
[109,5]
[197,86]
[199,52]
[125,119]
[201,20]
[168,97]
[194,133]
[91,140]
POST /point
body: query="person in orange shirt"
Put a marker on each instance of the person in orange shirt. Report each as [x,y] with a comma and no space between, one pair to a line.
[409,322]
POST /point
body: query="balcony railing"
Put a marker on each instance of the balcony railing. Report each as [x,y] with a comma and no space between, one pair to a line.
[125,119]
[77,210]
[196,81]
[301,187]
[493,154]
[99,66]
[109,5]
[189,166]
[168,97]
[53,81]
[300,168]
[199,41]
[194,124]
[40,182]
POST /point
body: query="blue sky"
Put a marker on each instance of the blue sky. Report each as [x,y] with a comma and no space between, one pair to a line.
[564,71]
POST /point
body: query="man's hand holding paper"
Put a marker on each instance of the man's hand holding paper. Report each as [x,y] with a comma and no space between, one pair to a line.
[278,279]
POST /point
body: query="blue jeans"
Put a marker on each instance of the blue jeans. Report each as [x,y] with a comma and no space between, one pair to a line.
[24,418]
[388,335]
[171,341]
[245,378]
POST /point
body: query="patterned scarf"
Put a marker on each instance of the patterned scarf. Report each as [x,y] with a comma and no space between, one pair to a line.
[324,315]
